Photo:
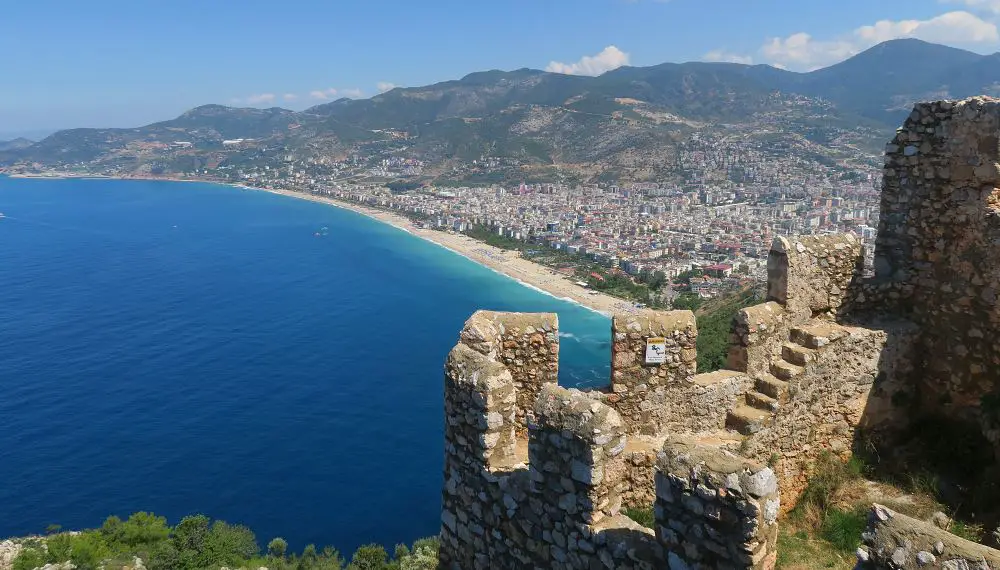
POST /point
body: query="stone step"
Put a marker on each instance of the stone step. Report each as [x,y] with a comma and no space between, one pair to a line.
[817,335]
[747,420]
[761,401]
[785,370]
[797,354]
[771,386]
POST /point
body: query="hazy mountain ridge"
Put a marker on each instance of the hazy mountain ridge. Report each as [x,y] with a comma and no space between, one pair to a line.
[16,144]
[627,122]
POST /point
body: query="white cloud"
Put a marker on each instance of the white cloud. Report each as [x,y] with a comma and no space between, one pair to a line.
[289,96]
[953,27]
[384,86]
[334,93]
[261,99]
[324,94]
[992,6]
[610,58]
[727,57]
[803,52]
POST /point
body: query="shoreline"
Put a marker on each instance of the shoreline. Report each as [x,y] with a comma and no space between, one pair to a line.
[504,262]
[507,263]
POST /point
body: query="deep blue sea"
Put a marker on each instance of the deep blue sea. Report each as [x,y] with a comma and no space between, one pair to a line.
[195,348]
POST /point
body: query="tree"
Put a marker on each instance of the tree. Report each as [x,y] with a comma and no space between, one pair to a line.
[112,530]
[144,528]
[423,557]
[309,552]
[189,538]
[369,557]
[688,301]
[228,545]
[29,559]
[277,548]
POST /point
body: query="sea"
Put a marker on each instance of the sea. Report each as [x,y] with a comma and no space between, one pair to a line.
[188,348]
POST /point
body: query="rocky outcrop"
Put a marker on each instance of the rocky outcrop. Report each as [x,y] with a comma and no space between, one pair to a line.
[894,541]
[9,549]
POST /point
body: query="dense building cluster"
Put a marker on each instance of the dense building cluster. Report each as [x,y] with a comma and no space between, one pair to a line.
[645,227]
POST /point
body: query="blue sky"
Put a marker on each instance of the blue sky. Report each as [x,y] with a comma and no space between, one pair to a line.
[71,63]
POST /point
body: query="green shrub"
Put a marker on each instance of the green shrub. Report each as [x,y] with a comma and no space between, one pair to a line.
[715,322]
[228,545]
[973,532]
[60,548]
[29,559]
[190,533]
[369,557]
[144,528]
[197,543]
[277,547]
[829,475]
[423,557]
[843,529]
[643,516]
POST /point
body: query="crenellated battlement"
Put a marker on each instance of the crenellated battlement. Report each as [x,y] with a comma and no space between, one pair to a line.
[545,486]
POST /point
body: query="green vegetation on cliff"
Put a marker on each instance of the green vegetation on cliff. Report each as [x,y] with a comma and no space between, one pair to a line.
[198,543]
[715,319]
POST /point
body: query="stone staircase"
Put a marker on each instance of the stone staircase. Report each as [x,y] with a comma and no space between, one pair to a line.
[770,390]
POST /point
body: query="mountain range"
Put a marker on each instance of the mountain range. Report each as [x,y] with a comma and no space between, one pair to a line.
[16,144]
[631,122]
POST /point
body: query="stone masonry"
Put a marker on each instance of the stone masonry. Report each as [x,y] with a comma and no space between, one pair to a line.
[562,508]
[720,510]
[641,393]
[526,343]
[537,476]
[936,259]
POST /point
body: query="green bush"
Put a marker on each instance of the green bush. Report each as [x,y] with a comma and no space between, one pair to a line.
[198,543]
[144,529]
[277,548]
[29,559]
[829,475]
[843,529]
[228,545]
[715,323]
[643,516]
[369,557]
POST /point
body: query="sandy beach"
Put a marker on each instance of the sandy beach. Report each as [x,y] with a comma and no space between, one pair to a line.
[506,262]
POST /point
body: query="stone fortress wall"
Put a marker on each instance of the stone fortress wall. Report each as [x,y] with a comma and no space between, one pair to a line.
[937,260]
[536,476]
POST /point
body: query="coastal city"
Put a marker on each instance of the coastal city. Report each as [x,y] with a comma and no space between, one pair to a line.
[708,233]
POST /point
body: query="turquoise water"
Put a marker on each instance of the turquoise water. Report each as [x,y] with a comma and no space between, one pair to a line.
[185,348]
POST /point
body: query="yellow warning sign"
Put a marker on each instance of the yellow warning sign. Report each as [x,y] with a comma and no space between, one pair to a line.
[656,350]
